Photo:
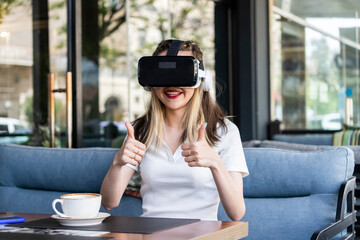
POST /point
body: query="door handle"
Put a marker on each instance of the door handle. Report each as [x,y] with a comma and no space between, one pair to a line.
[51,98]
[69,115]
[51,111]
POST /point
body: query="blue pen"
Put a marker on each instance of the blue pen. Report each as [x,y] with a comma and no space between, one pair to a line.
[11,219]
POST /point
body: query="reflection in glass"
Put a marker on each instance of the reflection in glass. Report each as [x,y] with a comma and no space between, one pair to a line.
[58,65]
[289,83]
[16,81]
[325,88]
[350,71]
[315,64]
[33,43]
[111,93]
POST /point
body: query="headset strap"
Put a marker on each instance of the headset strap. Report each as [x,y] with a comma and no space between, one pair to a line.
[174,48]
[201,65]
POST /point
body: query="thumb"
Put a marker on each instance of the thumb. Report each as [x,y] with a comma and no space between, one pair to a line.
[201,135]
[130,130]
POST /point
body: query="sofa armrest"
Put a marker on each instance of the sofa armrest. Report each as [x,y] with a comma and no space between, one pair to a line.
[344,220]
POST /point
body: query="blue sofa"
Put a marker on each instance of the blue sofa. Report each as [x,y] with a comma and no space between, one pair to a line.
[309,139]
[288,194]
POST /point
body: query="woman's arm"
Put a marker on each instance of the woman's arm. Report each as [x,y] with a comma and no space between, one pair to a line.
[229,184]
[118,176]
[114,185]
[230,188]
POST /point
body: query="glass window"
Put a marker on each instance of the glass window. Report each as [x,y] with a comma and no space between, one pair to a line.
[111,93]
[16,61]
[114,34]
[315,64]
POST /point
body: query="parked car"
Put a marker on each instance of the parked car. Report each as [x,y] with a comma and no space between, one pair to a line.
[330,121]
[13,126]
[10,126]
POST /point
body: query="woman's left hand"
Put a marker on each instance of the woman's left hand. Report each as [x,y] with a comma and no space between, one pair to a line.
[200,154]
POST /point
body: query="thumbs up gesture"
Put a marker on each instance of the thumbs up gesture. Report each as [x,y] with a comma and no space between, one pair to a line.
[199,153]
[132,151]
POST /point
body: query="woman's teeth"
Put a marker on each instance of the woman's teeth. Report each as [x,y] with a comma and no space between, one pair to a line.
[172,93]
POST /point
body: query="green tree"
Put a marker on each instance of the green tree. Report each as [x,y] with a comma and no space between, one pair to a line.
[6,6]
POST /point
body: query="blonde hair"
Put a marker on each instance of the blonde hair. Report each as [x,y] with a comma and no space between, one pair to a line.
[194,116]
[201,108]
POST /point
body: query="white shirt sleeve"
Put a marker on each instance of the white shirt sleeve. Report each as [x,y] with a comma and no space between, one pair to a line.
[231,151]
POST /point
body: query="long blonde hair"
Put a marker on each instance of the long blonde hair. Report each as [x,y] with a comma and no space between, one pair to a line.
[201,108]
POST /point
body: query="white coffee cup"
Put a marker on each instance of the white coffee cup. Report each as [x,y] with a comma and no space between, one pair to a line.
[78,205]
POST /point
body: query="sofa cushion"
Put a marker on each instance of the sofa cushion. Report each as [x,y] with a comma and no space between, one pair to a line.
[356,150]
[14,199]
[287,218]
[55,169]
[31,177]
[312,139]
[291,146]
[285,173]
[251,143]
[300,147]
[347,137]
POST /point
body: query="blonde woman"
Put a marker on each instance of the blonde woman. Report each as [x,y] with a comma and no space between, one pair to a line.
[188,154]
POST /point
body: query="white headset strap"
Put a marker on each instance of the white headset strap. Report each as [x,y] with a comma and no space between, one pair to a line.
[201,73]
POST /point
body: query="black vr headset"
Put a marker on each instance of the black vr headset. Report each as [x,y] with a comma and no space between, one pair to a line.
[173,71]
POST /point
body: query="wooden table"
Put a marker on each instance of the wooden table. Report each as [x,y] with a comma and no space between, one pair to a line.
[212,230]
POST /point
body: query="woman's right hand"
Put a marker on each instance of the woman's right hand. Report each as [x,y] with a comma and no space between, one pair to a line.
[132,151]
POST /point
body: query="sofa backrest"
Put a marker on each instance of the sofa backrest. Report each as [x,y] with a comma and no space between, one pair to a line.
[298,146]
[32,177]
[312,139]
[55,169]
[285,173]
[292,194]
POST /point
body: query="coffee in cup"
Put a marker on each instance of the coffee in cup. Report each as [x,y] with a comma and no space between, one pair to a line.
[78,205]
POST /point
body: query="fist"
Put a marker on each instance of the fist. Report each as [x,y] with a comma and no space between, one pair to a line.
[132,151]
[200,154]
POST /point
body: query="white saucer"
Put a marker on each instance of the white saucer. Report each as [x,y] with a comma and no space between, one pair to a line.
[70,221]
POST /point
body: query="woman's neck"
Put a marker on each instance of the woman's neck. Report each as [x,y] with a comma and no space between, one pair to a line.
[173,130]
[174,119]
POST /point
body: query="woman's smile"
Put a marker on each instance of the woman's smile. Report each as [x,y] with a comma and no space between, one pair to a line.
[172,94]
[174,97]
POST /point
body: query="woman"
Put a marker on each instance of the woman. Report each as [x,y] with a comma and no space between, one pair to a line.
[188,154]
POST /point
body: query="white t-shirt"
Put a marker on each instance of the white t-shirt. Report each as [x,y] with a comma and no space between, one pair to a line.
[170,188]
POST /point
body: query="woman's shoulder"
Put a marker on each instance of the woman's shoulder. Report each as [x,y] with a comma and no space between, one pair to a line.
[231,128]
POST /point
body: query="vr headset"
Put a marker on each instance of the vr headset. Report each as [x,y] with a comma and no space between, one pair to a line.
[173,71]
